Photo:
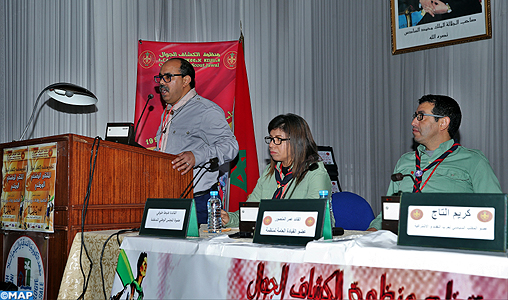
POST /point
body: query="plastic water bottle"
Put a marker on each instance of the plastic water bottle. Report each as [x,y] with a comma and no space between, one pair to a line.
[323,194]
[214,218]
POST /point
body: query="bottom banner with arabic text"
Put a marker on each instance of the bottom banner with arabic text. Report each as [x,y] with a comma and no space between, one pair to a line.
[206,270]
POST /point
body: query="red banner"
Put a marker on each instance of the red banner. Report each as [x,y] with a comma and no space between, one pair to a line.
[221,77]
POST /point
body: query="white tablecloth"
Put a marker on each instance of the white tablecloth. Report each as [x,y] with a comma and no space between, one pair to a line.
[346,267]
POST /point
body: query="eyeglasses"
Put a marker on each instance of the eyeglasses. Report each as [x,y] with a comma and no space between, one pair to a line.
[419,116]
[275,140]
[166,77]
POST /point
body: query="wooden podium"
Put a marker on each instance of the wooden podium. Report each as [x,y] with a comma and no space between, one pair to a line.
[124,177]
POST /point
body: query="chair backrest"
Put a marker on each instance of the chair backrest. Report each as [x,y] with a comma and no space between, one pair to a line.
[351,211]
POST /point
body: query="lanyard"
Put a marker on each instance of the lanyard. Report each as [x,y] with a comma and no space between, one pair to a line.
[165,122]
[419,172]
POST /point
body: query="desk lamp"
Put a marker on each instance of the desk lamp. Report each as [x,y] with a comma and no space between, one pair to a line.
[67,93]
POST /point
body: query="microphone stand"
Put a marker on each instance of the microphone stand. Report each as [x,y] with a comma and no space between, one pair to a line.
[130,141]
[214,165]
[399,176]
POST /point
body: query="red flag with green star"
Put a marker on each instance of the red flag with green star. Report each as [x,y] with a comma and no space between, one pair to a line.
[245,174]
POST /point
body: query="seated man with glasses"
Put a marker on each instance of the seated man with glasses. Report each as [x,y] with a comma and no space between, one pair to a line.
[295,170]
[193,128]
[439,164]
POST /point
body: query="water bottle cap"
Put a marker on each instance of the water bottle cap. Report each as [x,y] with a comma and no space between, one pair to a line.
[323,193]
[214,193]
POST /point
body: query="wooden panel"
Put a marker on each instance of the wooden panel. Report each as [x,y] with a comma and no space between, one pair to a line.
[124,177]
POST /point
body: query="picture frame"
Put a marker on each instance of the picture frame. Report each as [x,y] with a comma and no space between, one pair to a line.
[413,29]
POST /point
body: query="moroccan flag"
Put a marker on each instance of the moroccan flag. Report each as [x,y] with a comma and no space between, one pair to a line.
[245,174]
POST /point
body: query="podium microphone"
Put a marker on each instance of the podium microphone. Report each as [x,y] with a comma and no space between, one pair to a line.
[400,176]
[214,165]
[150,96]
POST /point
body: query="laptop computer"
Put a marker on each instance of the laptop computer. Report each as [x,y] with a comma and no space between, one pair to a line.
[390,213]
[248,214]
[122,133]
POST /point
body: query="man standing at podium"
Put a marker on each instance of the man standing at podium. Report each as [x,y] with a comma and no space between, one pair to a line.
[193,128]
[440,164]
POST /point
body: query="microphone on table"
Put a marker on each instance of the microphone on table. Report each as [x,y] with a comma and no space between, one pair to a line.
[214,166]
[400,176]
[130,142]
[337,231]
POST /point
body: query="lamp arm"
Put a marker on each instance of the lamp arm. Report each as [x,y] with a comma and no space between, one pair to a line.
[33,113]
[70,91]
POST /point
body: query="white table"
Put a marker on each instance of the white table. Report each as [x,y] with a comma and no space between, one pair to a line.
[360,264]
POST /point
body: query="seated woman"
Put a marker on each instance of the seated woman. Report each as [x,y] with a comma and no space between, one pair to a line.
[295,170]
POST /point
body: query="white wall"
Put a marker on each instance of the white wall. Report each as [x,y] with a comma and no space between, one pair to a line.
[328,61]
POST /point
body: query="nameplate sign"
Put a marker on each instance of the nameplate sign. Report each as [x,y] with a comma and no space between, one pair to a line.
[290,221]
[169,217]
[165,218]
[449,220]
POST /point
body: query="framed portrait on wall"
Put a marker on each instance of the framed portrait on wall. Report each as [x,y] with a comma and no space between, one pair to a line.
[424,24]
